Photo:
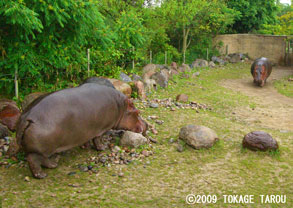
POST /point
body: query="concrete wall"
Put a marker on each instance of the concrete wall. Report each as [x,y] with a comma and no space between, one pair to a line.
[269,46]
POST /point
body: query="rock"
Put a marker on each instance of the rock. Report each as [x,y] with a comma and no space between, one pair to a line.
[135,77]
[154,105]
[182,98]
[235,58]
[165,73]
[173,72]
[148,71]
[160,79]
[150,84]
[172,140]
[124,77]
[30,98]
[212,64]
[9,113]
[198,136]
[116,149]
[145,153]
[139,88]
[218,60]
[196,74]
[100,81]
[160,122]
[120,174]
[184,68]
[27,179]
[13,148]
[200,63]
[71,173]
[3,131]
[174,66]
[132,139]
[122,87]
[259,140]
[180,148]
[83,168]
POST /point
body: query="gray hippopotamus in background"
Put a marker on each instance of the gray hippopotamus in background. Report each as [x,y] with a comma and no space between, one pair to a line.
[71,117]
[261,70]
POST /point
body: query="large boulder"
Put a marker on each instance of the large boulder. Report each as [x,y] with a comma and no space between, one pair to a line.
[132,139]
[160,79]
[198,137]
[259,140]
[166,73]
[150,84]
[184,68]
[100,81]
[200,63]
[30,98]
[218,60]
[139,88]
[122,87]
[148,70]
[174,66]
[9,113]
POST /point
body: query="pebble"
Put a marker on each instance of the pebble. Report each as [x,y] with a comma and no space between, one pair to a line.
[172,140]
[27,179]
[180,148]
[71,173]
[120,174]
[145,153]
[83,168]
[154,105]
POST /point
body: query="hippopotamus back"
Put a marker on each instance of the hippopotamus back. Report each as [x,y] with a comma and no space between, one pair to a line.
[261,70]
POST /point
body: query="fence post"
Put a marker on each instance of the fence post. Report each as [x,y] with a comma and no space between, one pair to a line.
[150,57]
[227,47]
[88,62]
[165,57]
[207,54]
[16,82]
[133,58]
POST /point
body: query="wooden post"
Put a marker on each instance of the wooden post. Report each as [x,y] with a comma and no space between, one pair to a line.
[150,57]
[88,62]
[227,47]
[133,58]
[207,54]
[165,57]
[16,82]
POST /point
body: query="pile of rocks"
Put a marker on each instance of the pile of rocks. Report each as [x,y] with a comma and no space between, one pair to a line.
[173,105]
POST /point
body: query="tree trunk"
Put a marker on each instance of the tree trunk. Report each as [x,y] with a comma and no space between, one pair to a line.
[185,37]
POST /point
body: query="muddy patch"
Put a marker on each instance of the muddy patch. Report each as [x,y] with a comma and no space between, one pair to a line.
[273,110]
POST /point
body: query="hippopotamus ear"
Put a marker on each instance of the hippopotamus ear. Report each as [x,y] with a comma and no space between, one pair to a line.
[130,106]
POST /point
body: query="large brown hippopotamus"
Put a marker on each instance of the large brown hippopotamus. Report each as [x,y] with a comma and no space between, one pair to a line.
[71,117]
[261,70]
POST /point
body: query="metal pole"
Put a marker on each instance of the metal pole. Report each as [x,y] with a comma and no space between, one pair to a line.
[133,58]
[165,57]
[150,57]
[88,62]
[16,82]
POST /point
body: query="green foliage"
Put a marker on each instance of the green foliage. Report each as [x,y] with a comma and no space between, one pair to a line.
[253,14]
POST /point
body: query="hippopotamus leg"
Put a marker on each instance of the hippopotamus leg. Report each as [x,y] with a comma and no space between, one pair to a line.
[35,162]
[99,144]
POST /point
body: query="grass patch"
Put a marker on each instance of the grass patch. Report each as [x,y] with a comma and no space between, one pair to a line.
[285,86]
[170,176]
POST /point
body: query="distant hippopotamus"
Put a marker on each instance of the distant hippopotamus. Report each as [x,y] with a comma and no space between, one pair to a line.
[261,70]
[71,117]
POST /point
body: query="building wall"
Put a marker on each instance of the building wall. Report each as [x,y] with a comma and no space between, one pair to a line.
[269,46]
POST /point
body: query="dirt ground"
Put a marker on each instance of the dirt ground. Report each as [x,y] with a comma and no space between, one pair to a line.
[273,110]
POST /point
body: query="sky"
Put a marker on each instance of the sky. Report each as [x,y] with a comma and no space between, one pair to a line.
[285,1]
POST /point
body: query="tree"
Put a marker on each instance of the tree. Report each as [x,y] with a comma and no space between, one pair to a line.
[253,14]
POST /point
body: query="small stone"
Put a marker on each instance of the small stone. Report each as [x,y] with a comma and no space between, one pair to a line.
[27,179]
[153,117]
[116,149]
[173,109]
[148,162]
[160,122]
[120,174]
[83,168]
[145,153]
[89,167]
[196,74]
[180,148]
[71,173]
[132,139]
[154,105]
[172,140]
[154,131]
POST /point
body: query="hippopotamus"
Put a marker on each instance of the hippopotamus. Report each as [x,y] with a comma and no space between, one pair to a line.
[71,117]
[261,70]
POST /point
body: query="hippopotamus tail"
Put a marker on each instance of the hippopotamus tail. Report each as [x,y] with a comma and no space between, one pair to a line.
[22,125]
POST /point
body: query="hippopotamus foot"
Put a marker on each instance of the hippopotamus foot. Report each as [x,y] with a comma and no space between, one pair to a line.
[35,161]
[99,144]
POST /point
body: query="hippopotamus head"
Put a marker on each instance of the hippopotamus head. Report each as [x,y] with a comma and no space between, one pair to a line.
[260,74]
[131,120]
